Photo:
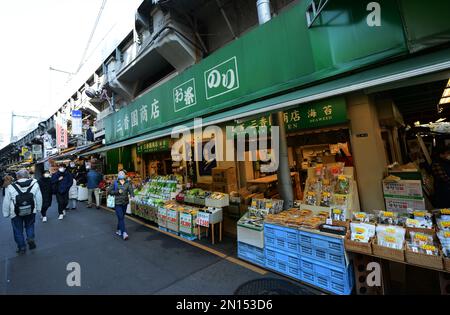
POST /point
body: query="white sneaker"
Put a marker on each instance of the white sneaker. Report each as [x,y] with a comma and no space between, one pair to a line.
[44,219]
[118,233]
[64,212]
[61,217]
[125,236]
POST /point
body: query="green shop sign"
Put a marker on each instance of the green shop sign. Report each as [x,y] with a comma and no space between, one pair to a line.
[306,116]
[154,146]
[281,55]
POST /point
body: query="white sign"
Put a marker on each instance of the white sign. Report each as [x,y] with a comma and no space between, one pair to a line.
[203,219]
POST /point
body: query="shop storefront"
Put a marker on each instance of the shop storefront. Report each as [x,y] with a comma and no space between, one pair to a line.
[335,149]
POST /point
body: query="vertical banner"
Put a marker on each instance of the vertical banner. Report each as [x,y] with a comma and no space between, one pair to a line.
[61,132]
[77,129]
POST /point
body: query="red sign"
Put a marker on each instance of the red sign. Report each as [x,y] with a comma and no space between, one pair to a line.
[61,132]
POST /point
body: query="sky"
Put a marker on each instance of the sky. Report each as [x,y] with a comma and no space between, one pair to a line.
[36,35]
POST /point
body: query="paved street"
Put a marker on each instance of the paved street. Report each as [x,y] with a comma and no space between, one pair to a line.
[149,263]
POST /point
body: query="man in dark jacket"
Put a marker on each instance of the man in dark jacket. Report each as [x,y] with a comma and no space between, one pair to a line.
[45,183]
[62,181]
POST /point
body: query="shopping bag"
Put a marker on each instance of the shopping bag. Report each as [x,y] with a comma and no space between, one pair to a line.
[129,209]
[111,202]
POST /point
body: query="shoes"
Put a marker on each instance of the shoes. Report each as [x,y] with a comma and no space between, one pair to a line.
[98,207]
[64,212]
[89,206]
[125,236]
[21,251]
[31,244]
[44,219]
[61,216]
[118,233]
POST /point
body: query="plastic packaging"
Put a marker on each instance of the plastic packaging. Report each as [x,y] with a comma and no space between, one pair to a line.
[362,232]
[342,185]
[390,236]
[386,217]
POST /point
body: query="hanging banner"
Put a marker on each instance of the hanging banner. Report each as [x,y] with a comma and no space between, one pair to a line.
[77,121]
[61,132]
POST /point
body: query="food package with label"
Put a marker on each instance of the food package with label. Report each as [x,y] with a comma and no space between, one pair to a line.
[362,232]
[419,219]
[443,224]
[388,218]
[390,236]
[444,238]
[364,217]
[342,185]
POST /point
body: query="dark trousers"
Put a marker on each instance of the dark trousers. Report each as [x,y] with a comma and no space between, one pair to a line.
[63,201]
[44,210]
[120,212]
[21,223]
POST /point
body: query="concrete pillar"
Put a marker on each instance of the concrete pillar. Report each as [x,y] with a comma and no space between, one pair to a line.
[368,151]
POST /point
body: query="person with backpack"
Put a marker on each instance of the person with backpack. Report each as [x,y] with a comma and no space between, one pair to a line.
[22,201]
[121,189]
[45,184]
[62,180]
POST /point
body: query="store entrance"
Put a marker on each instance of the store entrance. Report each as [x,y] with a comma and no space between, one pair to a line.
[158,163]
[415,129]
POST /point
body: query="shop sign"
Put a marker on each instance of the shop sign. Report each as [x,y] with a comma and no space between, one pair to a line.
[222,78]
[203,219]
[154,146]
[277,57]
[61,132]
[184,95]
[186,222]
[77,128]
[306,116]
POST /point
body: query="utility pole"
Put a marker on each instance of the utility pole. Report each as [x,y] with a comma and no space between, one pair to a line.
[12,122]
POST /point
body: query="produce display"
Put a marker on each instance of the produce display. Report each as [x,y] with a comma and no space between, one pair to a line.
[265,206]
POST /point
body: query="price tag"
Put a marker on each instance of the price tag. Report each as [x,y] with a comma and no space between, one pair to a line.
[203,219]
[329,221]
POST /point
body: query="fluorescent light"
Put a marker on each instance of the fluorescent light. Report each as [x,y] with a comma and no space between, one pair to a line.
[446,92]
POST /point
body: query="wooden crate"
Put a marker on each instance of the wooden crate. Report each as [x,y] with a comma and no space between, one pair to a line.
[425,260]
[388,253]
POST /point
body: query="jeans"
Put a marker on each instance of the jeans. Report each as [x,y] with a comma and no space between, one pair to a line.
[21,223]
[96,192]
[63,201]
[120,212]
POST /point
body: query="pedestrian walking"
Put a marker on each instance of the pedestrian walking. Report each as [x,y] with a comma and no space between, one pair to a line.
[121,189]
[22,201]
[45,184]
[62,181]
[94,179]
[73,195]
[7,180]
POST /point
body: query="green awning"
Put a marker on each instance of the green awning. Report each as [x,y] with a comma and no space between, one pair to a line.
[393,72]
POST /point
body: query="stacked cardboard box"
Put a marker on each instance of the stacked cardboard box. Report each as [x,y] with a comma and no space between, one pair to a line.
[224,180]
[402,194]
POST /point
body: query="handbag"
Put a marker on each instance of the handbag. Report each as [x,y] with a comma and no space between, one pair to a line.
[111,201]
[129,209]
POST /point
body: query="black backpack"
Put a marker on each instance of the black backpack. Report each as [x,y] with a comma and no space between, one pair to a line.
[24,204]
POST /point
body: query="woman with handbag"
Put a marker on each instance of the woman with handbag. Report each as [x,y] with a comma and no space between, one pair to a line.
[121,189]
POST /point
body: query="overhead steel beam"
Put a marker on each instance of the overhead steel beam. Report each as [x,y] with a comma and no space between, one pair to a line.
[314,9]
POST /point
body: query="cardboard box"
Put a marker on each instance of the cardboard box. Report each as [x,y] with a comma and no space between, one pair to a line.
[357,247]
[447,264]
[400,205]
[223,188]
[424,260]
[408,188]
[224,175]
[388,253]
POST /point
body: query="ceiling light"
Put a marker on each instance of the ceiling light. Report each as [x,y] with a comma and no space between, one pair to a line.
[446,92]
[444,100]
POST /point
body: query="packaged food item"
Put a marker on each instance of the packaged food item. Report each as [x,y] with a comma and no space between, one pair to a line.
[387,217]
[362,232]
[419,219]
[364,217]
[444,214]
[342,185]
[335,169]
[326,186]
[426,249]
[311,198]
[443,224]
[419,239]
[325,201]
[390,236]
[338,214]
[444,238]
